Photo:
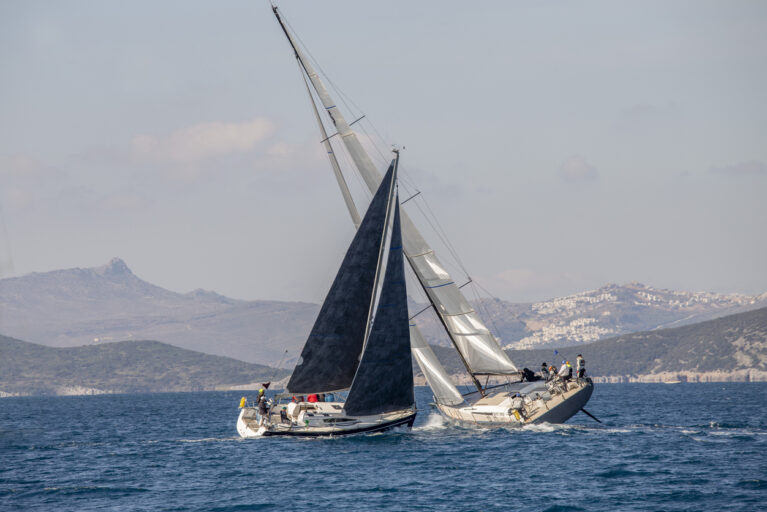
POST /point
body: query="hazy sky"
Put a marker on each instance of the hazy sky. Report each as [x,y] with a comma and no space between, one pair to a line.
[562,145]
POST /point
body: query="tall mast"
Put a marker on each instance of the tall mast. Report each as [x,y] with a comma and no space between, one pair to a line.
[480,351]
[334,162]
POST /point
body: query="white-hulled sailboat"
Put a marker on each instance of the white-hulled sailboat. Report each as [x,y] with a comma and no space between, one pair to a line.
[552,401]
[359,346]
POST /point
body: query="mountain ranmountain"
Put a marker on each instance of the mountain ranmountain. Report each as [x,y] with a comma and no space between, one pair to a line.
[79,306]
[733,347]
[73,307]
[121,367]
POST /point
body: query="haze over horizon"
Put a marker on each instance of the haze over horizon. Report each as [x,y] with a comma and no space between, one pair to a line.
[561,146]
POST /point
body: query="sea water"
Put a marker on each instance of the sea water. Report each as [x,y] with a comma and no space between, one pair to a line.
[660,447]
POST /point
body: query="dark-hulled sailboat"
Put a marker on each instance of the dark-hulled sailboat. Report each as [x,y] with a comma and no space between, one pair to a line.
[359,346]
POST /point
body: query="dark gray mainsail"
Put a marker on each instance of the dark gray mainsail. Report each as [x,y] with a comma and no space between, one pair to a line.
[384,380]
[331,354]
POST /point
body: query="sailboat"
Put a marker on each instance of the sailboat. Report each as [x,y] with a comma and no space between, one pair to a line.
[355,374]
[554,400]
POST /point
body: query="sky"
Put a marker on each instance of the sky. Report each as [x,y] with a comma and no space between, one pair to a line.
[560,145]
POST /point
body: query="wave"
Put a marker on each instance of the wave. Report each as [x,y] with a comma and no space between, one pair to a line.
[433,422]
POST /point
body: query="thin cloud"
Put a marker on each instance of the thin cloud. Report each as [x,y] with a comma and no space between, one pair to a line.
[752,168]
[577,170]
[202,141]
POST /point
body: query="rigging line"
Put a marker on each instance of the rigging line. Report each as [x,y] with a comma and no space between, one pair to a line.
[377,144]
[442,237]
[366,193]
[409,198]
[513,313]
[424,309]
[318,66]
[488,316]
[373,142]
[451,248]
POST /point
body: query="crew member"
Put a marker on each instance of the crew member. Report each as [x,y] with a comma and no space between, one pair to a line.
[261,409]
[518,404]
[580,366]
[544,371]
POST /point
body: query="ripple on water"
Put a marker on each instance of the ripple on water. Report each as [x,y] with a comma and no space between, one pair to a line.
[679,457]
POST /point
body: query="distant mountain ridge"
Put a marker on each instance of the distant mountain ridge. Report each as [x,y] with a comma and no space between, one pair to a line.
[81,306]
[78,306]
[733,347]
[121,367]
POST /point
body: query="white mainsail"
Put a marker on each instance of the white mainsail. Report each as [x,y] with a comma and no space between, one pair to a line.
[478,347]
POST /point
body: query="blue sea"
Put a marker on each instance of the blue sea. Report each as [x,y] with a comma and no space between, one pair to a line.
[660,447]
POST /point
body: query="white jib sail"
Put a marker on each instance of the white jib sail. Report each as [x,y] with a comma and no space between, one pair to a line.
[477,345]
[439,381]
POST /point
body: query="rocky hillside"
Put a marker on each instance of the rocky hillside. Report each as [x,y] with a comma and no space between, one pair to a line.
[127,366]
[598,314]
[109,303]
[728,348]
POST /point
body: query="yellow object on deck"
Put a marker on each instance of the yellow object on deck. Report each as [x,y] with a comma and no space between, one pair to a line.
[243,401]
[516,415]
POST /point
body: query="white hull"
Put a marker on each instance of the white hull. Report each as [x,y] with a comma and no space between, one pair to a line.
[541,404]
[317,419]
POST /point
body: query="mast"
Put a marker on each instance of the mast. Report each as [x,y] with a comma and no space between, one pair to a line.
[478,348]
[382,250]
[444,326]
[334,161]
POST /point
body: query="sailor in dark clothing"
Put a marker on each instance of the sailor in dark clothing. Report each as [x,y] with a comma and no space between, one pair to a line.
[545,371]
[580,366]
[262,410]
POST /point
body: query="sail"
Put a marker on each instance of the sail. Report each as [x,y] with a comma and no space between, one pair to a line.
[478,347]
[439,381]
[476,343]
[331,354]
[384,380]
